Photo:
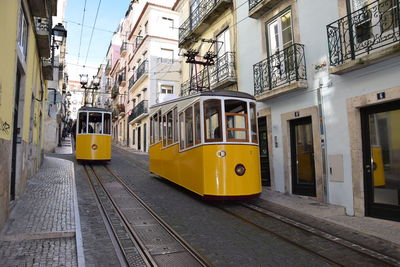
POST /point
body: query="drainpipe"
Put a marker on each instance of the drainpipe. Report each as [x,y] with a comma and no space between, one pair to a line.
[323,141]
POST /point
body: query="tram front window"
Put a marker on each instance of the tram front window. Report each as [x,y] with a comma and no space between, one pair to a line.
[212,119]
[82,129]
[236,120]
[95,123]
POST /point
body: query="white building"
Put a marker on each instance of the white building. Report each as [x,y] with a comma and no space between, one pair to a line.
[148,70]
[329,110]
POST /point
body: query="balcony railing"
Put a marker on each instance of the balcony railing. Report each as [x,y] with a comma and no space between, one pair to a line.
[253,4]
[367,29]
[122,78]
[123,48]
[136,44]
[280,69]
[114,91]
[139,109]
[198,15]
[141,70]
[216,75]
[121,108]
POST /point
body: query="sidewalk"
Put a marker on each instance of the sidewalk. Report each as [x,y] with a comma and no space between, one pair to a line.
[43,228]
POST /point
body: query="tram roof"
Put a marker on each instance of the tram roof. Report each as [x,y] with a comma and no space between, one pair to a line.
[217,93]
[93,109]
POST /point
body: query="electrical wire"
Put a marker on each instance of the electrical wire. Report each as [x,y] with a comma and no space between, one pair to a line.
[80,38]
[91,35]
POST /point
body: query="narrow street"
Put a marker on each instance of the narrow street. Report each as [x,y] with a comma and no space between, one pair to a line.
[222,233]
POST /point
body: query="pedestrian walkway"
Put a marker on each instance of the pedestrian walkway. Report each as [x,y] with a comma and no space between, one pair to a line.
[66,146]
[383,229]
[43,227]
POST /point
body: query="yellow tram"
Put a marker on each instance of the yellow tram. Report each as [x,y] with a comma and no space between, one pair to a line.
[93,134]
[207,143]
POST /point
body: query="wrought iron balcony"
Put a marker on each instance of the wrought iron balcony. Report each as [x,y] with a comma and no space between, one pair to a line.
[139,111]
[121,109]
[115,114]
[141,71]
[258,8]
[109,83]
[43,8]
[122,78]
[114,91]
[43,34]
[221,74]
[136,44]
[280,69]
[200,18]
[371,28]
[124,49]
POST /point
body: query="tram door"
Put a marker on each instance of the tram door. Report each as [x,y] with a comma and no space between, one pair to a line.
[302,157]
[381,156]
[264,160]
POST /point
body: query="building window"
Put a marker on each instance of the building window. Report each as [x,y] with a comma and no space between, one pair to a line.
[223,44]
[168,22]
[146,27]
[167,89]
[22,40]
[280,34]
[167,55]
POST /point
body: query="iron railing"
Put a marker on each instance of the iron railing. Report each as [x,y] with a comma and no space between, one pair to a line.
[43,26]
[369,28]
[196,17]
[114,91]
[139,109]
[123,48]
[207,78]
[253,3]
[141,70]
[136,44]
[280,69]
[121,77]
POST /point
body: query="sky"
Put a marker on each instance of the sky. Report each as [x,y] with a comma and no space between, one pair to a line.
[109,15]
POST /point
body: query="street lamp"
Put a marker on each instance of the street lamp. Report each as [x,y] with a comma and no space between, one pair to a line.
[59,33]
[84,82]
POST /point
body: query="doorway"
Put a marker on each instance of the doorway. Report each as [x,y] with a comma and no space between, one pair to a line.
[302,157]
[139,141]
[264,159]
[380,126]
[144,137]
[16,138]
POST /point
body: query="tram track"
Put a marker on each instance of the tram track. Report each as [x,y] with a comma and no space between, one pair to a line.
[142,237]
[335,250]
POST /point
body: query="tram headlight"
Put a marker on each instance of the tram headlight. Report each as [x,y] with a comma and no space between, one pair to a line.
[94,147]
[240,169]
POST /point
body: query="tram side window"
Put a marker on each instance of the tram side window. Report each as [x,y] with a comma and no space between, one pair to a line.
[253,123]
[164,130]
[95,123]
[107,123]
[156,129]
[197,127]
[170,122]
[159,126]
[151,131]
[82,129]
[236,120]
[212,120]
[175,124]
[189,127]
[182,131]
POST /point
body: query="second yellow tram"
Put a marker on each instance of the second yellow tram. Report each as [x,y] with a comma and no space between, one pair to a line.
[93,134]
[207,143]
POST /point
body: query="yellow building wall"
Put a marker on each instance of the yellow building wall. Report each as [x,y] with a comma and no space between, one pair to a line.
[8,21]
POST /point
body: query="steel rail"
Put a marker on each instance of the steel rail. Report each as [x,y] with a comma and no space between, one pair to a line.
[141,249]
[200,259]
[377,256]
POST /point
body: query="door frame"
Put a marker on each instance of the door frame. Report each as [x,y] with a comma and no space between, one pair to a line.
[318,165]
[377,210]
[264,119]
[299,190]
